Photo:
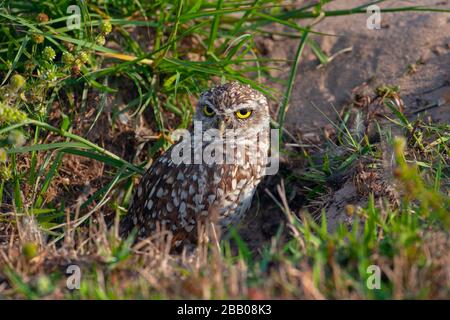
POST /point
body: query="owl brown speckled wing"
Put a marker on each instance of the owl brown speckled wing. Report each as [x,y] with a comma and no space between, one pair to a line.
[163,199]
[175,197]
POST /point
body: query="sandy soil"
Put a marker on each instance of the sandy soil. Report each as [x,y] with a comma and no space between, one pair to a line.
[411,51]
[418,41]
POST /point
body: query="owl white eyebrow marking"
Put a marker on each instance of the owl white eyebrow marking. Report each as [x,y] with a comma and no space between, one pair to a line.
[251,105]
[205,101]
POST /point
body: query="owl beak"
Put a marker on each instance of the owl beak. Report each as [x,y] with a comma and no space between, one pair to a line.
[222,127]
[224,123]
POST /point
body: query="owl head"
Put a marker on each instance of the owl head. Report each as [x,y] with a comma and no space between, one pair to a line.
[233,106]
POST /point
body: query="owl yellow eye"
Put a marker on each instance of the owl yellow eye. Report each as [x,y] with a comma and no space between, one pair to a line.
[208,111]
[243,113]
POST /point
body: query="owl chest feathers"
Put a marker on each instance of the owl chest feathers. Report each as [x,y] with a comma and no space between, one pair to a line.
[232,185]
[177,196]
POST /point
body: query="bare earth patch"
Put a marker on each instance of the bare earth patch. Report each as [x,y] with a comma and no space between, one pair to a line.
[411,51]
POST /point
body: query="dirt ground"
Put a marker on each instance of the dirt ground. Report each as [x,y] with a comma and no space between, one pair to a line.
[411,51]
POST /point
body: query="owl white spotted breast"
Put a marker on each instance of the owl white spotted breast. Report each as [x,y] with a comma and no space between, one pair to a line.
[219,173]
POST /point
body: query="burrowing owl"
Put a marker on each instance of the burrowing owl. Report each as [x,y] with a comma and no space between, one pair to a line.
[218,175]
